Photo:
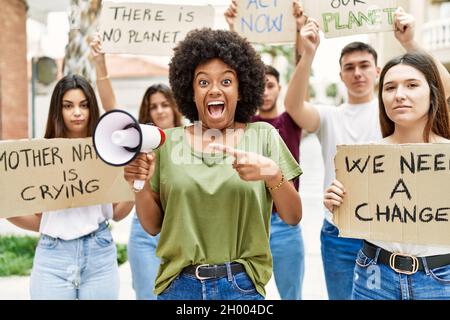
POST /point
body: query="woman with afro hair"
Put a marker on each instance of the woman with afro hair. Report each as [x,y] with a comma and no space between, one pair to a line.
[212,184]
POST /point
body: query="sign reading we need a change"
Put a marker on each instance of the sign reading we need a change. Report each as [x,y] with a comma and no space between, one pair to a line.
[50,174]
[395,193]
[149,28]
[266,21]
[347,17]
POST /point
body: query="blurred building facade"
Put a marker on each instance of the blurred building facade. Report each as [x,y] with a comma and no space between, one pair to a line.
[130,77]
[432,31]
[13,70]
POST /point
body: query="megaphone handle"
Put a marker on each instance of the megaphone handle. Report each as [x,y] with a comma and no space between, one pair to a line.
[138,185]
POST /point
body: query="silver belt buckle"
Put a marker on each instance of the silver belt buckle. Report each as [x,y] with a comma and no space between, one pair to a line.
[197,271]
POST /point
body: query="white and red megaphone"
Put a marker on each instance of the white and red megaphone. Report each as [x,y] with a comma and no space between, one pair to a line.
[118,138]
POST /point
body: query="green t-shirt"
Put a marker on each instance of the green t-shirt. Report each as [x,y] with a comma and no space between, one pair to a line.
[211,216]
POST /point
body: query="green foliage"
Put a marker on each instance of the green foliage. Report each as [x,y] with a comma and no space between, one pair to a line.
[312,91]
[286,51]
[332,90]
[122,256]
[17,253]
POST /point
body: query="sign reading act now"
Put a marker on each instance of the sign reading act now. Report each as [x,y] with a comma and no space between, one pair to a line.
[396,193]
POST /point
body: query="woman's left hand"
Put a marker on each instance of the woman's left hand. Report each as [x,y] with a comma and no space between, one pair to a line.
[251,166]
[404,27]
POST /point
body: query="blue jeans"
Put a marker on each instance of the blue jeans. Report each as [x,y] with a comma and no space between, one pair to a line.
[84,268]
[338,258]
[143,261]
[231,287]
[288,254]
[377,281]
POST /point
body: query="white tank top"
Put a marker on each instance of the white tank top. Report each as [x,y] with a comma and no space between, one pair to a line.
[73,223]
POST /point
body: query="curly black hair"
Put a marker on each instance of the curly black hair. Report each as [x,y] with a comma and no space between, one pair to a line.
[202,45]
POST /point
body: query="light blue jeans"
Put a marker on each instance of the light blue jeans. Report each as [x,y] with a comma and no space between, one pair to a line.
[377,281]
[143,261]
[338,257]
[230,287]
[84,268]
[288,254]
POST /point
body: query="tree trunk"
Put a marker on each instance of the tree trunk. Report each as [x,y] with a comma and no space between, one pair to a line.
[83,23]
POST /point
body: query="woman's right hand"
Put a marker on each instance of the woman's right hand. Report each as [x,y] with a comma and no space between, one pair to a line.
[96,48]
[231,14]
[310,36]
[141,168]
[334,196]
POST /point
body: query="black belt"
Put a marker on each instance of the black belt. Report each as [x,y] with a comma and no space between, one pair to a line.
[404,263]
[211,271]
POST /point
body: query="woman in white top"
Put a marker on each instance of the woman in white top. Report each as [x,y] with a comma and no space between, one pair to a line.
[76,256]
[413,109]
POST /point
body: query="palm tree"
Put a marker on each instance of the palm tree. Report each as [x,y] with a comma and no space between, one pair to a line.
[83,23]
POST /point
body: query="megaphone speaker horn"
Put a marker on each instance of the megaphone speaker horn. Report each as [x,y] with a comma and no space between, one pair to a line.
[106,130]
[118,138]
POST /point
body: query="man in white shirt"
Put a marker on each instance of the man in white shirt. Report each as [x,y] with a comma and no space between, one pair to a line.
[354,122]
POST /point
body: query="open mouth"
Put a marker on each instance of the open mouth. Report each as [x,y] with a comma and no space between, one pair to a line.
[216,108]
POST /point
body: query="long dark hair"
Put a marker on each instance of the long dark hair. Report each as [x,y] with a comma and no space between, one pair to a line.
[55,121]
[144,110]
[438,114]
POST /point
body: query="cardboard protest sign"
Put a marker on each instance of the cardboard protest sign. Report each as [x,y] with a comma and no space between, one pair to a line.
[266,21]
[396,193]
[148,28]
[50,174]
[348,17]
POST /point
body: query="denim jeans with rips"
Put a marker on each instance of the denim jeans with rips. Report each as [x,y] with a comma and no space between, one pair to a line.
[84,268]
